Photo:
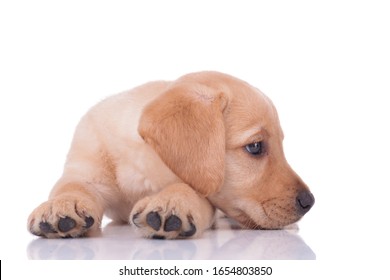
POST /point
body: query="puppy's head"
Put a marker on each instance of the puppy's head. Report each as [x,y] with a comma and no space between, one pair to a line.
[222,136]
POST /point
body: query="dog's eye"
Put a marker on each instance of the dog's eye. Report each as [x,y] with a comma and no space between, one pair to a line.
[255,148]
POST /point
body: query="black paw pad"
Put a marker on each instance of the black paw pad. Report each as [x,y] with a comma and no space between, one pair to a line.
[192,229]
[66,224]
[153,219]
[45,227]
[190,232]
[89,221]
[173,223]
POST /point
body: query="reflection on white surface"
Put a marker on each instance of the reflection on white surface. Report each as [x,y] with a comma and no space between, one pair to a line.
[119,242]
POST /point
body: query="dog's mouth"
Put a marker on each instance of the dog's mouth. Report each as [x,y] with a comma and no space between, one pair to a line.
[273,214]
[276,218]
[245,220]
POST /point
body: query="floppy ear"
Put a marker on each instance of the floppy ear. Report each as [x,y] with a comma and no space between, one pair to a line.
[185,126]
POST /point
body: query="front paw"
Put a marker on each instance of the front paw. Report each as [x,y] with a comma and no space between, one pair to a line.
[175,212]
[64,216]
[159,225]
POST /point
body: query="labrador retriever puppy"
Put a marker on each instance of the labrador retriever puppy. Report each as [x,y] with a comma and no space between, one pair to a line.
[164,156]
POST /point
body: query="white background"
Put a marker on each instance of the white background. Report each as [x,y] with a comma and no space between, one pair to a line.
[326,66]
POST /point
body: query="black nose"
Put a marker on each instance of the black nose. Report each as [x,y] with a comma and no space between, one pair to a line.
[305,200]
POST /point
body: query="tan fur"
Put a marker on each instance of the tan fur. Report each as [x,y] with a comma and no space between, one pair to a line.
[186,128]
[175,148]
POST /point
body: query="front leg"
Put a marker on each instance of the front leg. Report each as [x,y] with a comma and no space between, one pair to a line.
[177,211]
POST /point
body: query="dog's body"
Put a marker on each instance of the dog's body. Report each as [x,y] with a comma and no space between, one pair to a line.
[164,155]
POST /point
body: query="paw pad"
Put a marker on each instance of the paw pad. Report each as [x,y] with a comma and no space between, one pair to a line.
[190,232]
[45,227]
[172,224]
[66,224]
[89,221]
[153,219]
